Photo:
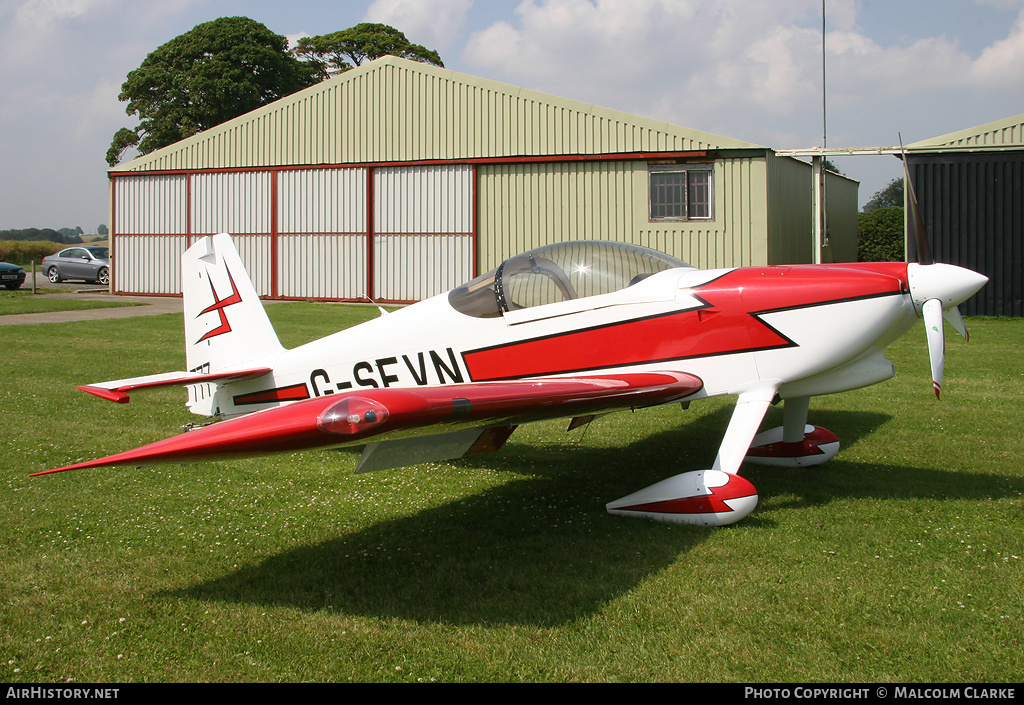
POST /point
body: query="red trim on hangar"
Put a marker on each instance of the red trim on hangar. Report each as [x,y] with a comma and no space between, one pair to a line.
[520,159]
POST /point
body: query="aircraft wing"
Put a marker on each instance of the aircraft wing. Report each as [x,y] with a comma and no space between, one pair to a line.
[377,415]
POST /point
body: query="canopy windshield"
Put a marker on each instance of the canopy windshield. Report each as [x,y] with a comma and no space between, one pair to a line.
[568,270]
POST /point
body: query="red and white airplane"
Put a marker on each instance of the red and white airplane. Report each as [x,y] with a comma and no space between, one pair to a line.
[571,330]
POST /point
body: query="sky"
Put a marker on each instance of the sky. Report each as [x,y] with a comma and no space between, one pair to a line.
[746,69]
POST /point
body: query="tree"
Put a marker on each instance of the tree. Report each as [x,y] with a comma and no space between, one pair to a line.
[71,235]
[332,53]
[891,195]
[123,139]
[880,235]
[65,236]
[214,72]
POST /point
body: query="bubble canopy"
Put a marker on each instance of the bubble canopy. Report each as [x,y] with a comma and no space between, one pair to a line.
[553,273]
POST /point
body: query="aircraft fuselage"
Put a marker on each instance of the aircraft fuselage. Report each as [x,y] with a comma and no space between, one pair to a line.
[732,328]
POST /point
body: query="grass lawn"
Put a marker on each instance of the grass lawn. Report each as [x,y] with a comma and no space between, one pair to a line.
[900,560]
[23,301]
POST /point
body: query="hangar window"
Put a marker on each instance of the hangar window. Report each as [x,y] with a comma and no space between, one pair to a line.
[680,192]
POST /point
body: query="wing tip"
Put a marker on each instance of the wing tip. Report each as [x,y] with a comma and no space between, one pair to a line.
[104,393]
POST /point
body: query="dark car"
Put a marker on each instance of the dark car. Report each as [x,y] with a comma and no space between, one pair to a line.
[88,262]
[11,275]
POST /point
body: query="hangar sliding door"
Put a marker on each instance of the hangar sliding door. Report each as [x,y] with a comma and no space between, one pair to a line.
[150,239]
[237,202]
[423,230]
[387,233]
[321,244]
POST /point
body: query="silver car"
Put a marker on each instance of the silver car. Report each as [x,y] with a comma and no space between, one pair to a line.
[88,262]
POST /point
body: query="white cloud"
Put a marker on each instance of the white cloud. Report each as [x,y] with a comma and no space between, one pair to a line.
[1002,4]
[293,39]
[31,28]
[37,14]
[1003,61]
[624,55]
[751,70]
[677,60]
[557,37]
[842,14]
[431,23]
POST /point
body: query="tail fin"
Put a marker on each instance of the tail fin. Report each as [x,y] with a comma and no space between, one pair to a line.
[226,327]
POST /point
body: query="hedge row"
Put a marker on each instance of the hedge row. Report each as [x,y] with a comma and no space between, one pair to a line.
[880,235]
[25,251]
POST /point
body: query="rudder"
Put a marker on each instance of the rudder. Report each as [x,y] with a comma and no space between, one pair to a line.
[226,327]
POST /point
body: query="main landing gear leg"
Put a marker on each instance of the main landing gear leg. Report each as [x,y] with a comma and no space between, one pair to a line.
[715,497]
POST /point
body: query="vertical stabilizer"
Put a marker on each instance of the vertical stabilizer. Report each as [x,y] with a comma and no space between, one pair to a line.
[226,327]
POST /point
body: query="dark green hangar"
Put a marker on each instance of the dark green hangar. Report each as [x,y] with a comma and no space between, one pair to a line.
[970,188]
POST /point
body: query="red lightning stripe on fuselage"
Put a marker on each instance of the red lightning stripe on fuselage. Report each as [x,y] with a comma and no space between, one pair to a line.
[727,323]
[219,305]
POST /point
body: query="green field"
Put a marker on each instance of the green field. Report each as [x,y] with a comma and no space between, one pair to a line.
[901,560]
[23,301]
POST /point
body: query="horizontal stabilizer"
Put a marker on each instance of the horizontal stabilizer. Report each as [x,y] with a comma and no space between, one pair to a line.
[372,415]
[117,390]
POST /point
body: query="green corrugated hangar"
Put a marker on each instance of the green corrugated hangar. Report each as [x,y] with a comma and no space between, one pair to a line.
[398,180]
[970,187]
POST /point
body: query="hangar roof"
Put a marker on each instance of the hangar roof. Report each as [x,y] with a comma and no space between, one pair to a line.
[393,109]
[1001,134]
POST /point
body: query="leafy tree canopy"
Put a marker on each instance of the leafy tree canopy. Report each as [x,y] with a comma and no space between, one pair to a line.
[215,72]
[890,196]
[880,235]
[341,51]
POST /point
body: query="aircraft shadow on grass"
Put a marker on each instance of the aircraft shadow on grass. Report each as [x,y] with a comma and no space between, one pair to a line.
[540,550]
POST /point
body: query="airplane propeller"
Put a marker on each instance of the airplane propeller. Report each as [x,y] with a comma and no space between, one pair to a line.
[936,288]
[932,313]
